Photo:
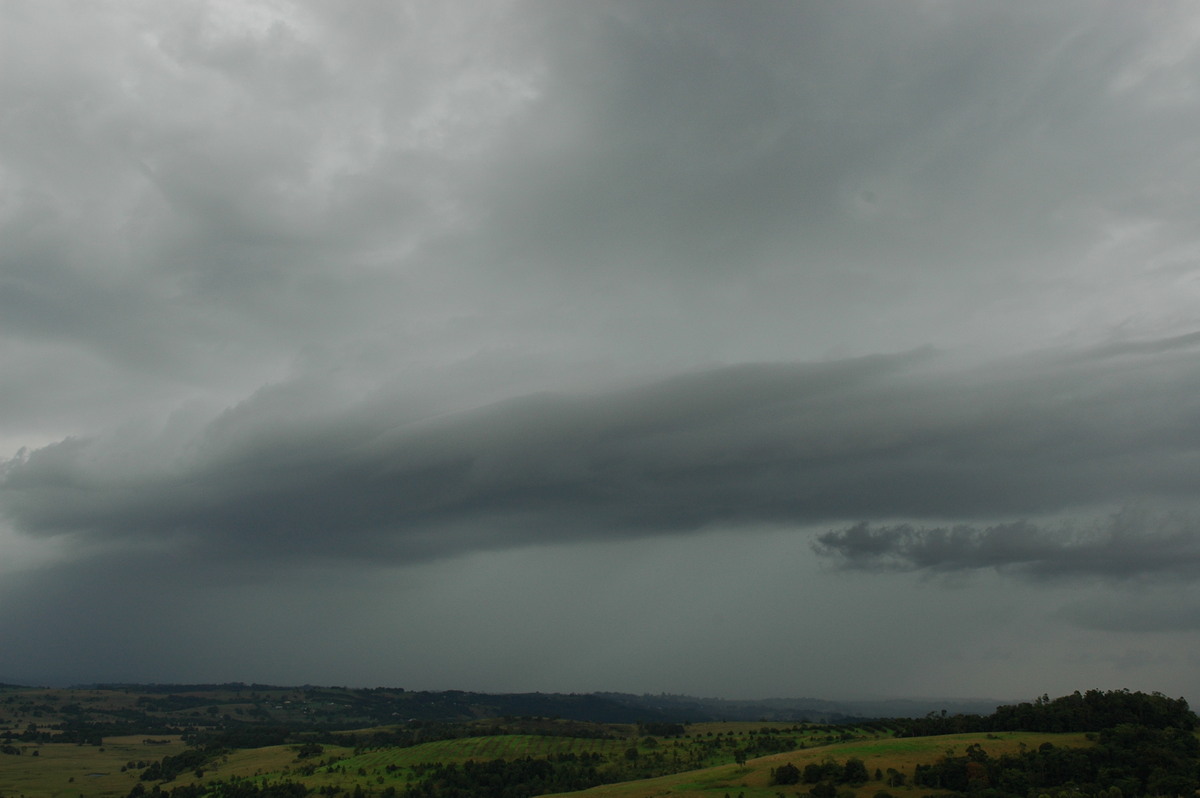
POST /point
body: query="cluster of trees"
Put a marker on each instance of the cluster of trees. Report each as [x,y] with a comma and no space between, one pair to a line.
[1079,712]
[80,732]
[167,768]
[852,771]
[662,729]
[406,735]
[235,788]
[1133,760]
[85,732]
[501,778]
[1144,746]
[245,736]
[1094,711]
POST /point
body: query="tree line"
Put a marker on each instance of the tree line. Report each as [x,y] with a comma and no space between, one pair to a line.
[1127,761]
[1092,711]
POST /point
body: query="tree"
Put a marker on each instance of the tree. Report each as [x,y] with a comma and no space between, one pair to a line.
[823,790]
[786,774]
[855,771]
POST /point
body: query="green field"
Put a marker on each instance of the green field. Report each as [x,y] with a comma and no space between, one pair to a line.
[61,770]
[508,746]
[67,770]
[753,779]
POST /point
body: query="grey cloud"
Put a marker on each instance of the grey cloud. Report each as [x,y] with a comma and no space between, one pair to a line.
[801,112]
[216,172]
[293,289]
[876,438]
[191,204]
[1130,544]
[738,195]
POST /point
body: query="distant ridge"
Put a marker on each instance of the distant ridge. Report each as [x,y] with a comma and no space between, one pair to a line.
[602,707]
[808,709]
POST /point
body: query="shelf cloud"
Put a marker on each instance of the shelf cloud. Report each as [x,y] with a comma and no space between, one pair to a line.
[877,437]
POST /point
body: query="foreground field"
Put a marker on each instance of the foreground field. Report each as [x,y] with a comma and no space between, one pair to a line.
[753,779]
[64,770]
[253,741]
[113,769]
[68,770]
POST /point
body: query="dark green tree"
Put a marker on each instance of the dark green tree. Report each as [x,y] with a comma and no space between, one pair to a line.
[786,774]
[855,771]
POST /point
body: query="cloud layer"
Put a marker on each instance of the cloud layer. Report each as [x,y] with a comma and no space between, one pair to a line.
[904,436]
[426,315]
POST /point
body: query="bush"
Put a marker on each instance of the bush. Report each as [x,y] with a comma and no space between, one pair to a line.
[855,771]
[786,774]
[823,790]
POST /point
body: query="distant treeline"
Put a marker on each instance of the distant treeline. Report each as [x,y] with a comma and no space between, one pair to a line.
[1092,711]
[84,732]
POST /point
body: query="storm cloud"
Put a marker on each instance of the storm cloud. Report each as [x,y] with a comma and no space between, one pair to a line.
[877,437]
[566,332]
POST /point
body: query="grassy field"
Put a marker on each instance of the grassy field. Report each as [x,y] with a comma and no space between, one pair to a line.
[509,746]
[66,770]
[753,779]
[62,770]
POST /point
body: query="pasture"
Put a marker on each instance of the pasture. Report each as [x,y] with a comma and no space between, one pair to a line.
[68,770]
[704,756]
[753,780]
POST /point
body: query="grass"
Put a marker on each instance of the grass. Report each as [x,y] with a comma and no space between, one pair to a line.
[753,779]
[509,746]
[67,770]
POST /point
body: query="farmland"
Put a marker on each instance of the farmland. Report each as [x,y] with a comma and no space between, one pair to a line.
[67,770]
[192,744]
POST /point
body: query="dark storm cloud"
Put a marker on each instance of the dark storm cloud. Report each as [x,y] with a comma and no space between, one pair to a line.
[1131,544]
[875,438]
[291,289]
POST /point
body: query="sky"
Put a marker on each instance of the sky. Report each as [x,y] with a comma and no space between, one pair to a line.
[748,350]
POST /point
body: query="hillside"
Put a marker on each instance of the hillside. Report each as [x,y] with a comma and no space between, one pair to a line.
[258,742]
[892,758]
[131,704]
[62,770]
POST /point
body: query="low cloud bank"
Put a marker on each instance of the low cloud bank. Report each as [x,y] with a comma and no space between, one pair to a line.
[877,439]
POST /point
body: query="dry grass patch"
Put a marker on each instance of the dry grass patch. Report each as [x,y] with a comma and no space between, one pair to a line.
[903,755]
[67,770]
